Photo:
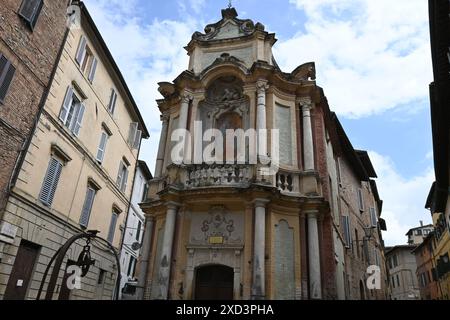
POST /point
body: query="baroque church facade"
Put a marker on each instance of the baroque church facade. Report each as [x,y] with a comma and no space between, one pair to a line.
[226,230]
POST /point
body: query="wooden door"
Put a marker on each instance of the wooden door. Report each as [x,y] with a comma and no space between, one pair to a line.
[22,271]
[214,283]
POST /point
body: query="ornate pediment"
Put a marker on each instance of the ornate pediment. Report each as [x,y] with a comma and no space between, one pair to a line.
[228,27]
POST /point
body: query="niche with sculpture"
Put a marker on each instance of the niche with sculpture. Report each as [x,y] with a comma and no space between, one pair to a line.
[225,107]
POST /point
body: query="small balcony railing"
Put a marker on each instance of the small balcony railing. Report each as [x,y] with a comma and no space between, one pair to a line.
[218,175]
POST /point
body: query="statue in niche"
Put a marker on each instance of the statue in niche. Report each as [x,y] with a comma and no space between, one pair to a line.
[225,90]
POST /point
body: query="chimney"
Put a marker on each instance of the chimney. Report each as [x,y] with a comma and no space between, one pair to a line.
[421,223]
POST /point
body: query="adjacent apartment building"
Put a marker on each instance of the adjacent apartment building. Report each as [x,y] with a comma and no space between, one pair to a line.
[232,229]
[78,169]
[438,201]
[426,269]
[134,227]
[418,234]
[402,271]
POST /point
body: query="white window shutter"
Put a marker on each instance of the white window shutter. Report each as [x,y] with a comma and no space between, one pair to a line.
[93,69]
[81,50]
[102,146]
[50,182]
[79,120]
[119,175]
[137,139]
[125,180]
[87,207]
[132,133]
[66,104]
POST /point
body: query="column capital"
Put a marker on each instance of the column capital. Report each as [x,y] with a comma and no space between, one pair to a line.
[305,102]
[311,213]
[260,202]
[172,205]
[261,86]
[164,117]
[186,97]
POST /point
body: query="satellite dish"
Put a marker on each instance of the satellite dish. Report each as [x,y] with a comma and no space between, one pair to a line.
[136,246]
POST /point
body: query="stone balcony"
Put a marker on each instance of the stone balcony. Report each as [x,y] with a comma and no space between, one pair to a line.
[188,177]
[235,175]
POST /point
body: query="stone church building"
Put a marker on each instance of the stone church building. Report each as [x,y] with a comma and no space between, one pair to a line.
[230,230]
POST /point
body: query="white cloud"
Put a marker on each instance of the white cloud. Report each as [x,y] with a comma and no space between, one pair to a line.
[370,56]
[404,199]
[147,53]
[195,5]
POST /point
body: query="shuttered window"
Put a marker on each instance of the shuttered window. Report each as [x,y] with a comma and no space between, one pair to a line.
[92,69]
[30,10]
[373,217]
[122,177]
[112,101]
[134,135]
[72,112]
[7,71]
[347,233]
[360,200]
[50,182]
[81,50]
[87,207]
[102,146]
[86,60]
[112,227]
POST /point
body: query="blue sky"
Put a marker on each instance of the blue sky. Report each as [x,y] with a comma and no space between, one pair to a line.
[372,59]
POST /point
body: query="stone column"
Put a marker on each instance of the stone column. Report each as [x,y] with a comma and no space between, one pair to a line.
[183,122]
[315,283]
[308,145]
[261,122]
[162,146]
[146,248]
[258,282]
[166,252]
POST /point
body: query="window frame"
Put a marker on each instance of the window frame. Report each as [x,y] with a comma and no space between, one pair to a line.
[3,77]
[112,102]
[76,111]
[104,137]
[31,21]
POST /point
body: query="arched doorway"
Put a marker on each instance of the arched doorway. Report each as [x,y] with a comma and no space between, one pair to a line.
[214,282]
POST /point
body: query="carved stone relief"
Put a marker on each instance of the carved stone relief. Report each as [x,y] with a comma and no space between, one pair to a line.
[217,227]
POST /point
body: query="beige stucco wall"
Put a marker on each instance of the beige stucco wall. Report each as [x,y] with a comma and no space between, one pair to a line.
[71,190]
